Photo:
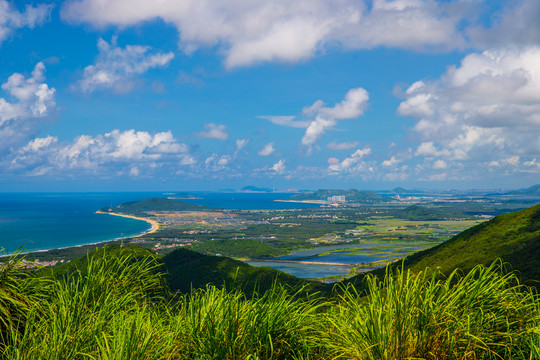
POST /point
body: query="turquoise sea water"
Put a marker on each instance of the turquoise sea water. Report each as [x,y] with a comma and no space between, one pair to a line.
[40,221]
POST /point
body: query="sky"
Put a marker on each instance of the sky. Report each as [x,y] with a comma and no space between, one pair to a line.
[134,95]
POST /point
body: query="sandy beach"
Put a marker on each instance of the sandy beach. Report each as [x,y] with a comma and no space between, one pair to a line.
[155,224]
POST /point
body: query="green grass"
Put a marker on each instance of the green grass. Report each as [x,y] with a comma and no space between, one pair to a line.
[514,238]
[116,304]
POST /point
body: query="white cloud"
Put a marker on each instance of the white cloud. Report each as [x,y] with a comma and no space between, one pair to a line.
[187,159]
[240,144]
[391,162]
[224,160]
[342,146]
[315,131]
[532,164]
[324,118]
[116,67]
[11,19]
[483,111]
[267,150]
[351,164]
[214,131]
[286,121]
[248,31]
[279,167]
[217,163]
[352,106]
[439,165]
[113,151]
[516,23]
[21,119]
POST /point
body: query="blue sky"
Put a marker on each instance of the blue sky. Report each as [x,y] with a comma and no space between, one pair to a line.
[118,95]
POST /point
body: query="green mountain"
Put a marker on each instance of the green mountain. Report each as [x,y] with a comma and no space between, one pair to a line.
[532,191]
[420,213]
[240,248]
[155,204]
[400,190]
[350,195]
[188,269]
[514,238]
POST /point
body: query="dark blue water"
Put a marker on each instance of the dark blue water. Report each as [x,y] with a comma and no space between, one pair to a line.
[38,221]
[235,201]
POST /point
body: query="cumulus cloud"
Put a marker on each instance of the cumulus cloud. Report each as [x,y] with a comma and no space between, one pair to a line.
[350,164]
[217,163]
[279,167]
[439,165]
[214,131]
[342,146]
[318,118]
[102,154]
[486,109]
[391,162]
[116,68]
[33,102]
[516,23]
[249,32]
[267,150]
[12,19]
[352,106]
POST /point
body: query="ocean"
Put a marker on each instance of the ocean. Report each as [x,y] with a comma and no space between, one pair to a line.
[41,221]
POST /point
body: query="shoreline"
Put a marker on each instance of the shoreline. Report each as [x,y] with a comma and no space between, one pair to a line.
[153,229]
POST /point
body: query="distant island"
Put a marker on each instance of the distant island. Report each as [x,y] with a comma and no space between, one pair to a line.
[154,204]
[255,189]
[181,195]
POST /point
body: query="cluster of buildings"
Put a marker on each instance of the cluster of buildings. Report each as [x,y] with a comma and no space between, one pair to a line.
[336,198]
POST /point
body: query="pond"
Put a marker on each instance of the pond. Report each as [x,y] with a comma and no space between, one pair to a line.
[336,260]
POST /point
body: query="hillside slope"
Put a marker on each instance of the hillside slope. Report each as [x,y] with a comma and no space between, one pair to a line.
[155,204]
[531,191]
[514,237]
[187,269]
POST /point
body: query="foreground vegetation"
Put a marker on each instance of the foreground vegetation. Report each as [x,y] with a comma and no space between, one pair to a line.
[116,304]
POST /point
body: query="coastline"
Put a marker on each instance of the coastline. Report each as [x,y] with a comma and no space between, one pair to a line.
[153,229]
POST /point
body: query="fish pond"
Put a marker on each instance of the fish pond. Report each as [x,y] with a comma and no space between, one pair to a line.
[340,261]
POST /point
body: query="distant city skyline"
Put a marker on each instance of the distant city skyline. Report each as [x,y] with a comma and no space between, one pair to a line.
[135,95]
